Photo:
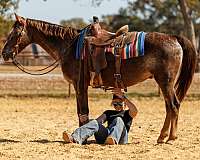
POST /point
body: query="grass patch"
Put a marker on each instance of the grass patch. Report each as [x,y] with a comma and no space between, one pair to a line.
[57,87]
[94,96]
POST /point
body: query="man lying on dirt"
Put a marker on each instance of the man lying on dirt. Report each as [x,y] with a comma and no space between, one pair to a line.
[119,123]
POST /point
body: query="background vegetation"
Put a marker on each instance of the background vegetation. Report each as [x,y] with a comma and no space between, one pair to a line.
[181,17]
[148,15]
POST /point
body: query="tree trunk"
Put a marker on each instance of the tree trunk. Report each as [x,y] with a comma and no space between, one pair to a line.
[188,21]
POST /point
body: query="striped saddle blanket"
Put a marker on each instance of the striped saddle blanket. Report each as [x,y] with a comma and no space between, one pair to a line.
[133,49]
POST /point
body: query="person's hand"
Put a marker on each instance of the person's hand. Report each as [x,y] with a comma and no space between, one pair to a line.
[118,92]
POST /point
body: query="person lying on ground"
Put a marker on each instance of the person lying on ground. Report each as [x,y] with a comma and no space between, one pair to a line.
[119,122]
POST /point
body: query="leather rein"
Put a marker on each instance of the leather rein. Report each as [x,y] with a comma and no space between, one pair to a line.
[25,70]
[28,71]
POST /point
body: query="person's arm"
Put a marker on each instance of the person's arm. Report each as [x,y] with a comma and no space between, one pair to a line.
[102,118]
[132,108]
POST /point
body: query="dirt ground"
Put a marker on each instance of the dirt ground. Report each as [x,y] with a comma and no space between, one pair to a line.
[31,126]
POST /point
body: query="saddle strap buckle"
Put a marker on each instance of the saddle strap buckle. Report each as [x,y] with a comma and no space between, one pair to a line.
[117,76]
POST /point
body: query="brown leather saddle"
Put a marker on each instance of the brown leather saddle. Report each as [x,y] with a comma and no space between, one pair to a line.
[97,42]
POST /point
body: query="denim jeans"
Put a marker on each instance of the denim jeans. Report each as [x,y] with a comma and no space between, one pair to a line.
[116,129]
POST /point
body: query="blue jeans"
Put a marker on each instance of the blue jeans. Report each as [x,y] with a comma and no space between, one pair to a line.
[116,129]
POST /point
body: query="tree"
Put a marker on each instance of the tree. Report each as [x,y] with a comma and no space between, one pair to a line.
[150,16]
[7,5]
[5,17]
[170,16]
[162,15]
[188,21]
[74,22]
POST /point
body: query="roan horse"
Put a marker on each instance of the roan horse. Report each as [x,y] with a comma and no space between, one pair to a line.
[169,59]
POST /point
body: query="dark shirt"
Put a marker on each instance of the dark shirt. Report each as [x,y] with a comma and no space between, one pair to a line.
[112,114]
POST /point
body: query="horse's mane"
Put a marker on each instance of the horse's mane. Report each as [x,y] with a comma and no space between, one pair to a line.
[64,32]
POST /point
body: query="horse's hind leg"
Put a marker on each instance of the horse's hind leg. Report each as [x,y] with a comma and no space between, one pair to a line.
[166,84]
[174,120]
[165,130]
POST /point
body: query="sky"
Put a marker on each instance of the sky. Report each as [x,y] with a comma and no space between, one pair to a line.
[56,10]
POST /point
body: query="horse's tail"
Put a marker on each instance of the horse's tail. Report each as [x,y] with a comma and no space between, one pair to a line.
[187,69]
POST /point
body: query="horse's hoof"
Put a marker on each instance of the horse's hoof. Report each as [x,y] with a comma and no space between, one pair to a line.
[160,140]
[171,139]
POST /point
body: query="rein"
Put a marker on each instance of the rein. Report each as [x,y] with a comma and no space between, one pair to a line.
[25,70]
[28,71]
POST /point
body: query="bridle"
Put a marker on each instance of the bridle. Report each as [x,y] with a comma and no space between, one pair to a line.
[28,71]
[45,70]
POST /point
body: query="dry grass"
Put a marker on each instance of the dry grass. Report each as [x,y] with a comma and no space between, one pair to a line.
[55,86]
[35,111]
[14,69]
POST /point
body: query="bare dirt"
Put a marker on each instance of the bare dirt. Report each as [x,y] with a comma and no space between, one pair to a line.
[31,126]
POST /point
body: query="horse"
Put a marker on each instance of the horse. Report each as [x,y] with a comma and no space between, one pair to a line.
[169,59]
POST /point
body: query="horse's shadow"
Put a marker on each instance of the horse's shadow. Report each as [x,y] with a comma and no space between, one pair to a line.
[43,141]
[8,141]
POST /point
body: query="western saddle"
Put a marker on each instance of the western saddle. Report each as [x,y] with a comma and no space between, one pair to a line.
[96,42]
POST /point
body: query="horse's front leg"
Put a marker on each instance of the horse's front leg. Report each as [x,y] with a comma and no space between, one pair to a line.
[82,105]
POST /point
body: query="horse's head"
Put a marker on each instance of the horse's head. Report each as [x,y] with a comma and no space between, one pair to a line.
[17,39]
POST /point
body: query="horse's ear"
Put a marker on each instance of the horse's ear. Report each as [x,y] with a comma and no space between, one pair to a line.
[20,19]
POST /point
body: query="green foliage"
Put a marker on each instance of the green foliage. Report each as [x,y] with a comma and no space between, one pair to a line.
[194,6]
[7,5]
[154,15]
[74,22]
[5,26]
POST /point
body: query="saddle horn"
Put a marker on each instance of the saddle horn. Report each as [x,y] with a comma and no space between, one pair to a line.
[95,19]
